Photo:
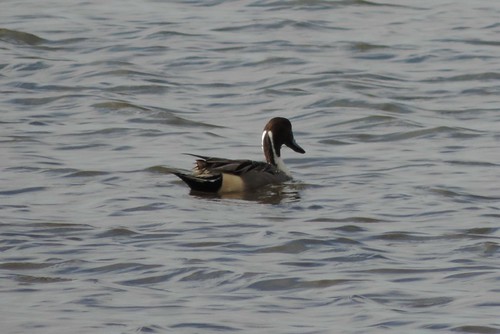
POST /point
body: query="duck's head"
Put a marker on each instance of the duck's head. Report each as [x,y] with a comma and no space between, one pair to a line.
[278,132]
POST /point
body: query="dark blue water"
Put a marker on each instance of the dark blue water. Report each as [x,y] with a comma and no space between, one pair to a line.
[392,220]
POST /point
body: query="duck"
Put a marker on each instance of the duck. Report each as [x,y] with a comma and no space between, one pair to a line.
[222,176]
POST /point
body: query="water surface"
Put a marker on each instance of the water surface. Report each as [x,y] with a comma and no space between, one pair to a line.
[391,223]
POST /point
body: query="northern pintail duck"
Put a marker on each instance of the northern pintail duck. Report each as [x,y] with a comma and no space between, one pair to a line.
[219,175]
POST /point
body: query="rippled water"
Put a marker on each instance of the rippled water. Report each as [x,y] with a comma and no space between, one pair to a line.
[392,221]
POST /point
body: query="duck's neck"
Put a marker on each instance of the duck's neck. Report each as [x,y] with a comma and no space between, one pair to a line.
[272,152]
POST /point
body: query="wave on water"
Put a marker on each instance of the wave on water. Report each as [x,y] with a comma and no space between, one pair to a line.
[390,222]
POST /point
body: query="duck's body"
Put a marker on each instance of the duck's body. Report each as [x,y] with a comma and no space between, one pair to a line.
[219,175]
[224,175]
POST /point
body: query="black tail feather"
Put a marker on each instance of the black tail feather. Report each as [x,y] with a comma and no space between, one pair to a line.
[198,183]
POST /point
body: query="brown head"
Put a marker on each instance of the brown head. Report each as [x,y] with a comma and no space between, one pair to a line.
[278,132]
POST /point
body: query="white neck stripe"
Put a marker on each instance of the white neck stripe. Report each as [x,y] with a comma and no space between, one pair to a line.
[263,136]
[277,160]
[270,134]
[281,166]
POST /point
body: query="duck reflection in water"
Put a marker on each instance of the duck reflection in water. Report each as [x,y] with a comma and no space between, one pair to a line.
[270,194]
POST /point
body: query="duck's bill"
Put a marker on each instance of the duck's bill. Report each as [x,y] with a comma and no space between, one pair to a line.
[294,146]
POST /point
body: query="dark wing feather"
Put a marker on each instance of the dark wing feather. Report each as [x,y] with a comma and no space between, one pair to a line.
[212,165]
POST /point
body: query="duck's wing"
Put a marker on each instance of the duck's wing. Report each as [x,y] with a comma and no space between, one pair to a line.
[212,165]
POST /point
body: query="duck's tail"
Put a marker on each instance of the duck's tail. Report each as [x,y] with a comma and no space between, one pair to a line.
[211,183]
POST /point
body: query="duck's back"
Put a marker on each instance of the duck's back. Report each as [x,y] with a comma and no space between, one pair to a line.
[252,174]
